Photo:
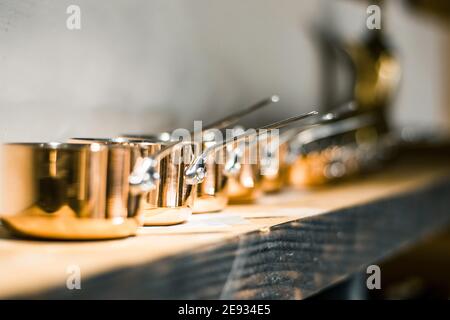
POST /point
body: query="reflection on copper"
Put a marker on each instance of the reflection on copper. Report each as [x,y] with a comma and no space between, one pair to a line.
[72,192]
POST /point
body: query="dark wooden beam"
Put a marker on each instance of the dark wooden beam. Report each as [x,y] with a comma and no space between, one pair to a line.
[289,261]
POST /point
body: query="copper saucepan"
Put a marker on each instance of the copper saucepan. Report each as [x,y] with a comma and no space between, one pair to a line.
[68,191]
[337,148]
[169,199]
[212,192]
[300,161]
[179,185]
[245,181]
[274,165]
[243,168]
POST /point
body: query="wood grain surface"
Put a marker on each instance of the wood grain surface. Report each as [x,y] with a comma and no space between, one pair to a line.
[286,246]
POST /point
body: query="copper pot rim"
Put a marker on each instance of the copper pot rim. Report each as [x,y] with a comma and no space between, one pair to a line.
[59,146]
[161,137]
[128,142]
[122,140]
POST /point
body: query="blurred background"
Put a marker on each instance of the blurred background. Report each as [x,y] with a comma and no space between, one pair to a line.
[142,66]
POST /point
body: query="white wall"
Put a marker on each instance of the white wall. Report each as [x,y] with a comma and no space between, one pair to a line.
[149,65]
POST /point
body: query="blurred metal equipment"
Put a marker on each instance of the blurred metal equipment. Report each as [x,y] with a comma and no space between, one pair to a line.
[356,135]
[339,147]
[178,187]
[212,191]
[435,8]
[246,182]
[377,74]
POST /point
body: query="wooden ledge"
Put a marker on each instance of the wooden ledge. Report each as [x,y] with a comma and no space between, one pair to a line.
[289,245]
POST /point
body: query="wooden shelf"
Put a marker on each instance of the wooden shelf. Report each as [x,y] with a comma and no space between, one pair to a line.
[289,245]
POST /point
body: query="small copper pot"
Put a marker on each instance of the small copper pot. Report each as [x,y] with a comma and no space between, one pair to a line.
[334,150]
[245,182]
[212,192]
[266,173]
[276,167]
[68,191]
[168,200]
[146,174]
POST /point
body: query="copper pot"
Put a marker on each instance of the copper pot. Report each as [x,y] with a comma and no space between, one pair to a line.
[246,183]
[68,191]
[146,174]
[275,167]
[335,149]
[169,199]
[212,192]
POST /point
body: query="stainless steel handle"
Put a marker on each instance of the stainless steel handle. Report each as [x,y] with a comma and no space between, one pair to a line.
[235,117]
[144,174]
[332,129]
[345,111]
[196,171]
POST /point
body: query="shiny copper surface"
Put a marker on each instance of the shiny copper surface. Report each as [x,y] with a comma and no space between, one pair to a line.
[245,185]
[171,200]
[68,191]
[275,177]
[336,157]
[212,192]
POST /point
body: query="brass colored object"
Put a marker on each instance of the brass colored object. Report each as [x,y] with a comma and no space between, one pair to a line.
[145,173]
[437,9]
[212,192]
[377,73]
[245,180]
[169,200]
[275,177]
[245,187]
[335,150]
[358,134]
[68,191]
[375,69]
[277,156]
[247,183]
[321,167]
